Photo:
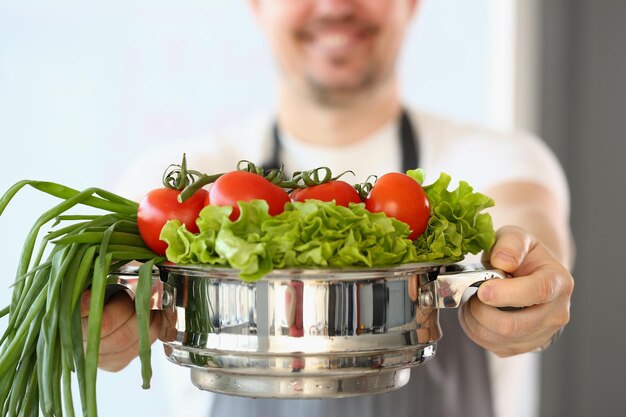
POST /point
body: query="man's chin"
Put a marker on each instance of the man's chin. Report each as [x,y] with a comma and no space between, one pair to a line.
[339,94]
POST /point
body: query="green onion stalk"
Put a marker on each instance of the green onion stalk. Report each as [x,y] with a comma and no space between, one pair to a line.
[42,346]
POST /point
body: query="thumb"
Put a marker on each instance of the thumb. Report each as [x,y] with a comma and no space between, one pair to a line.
[511,247]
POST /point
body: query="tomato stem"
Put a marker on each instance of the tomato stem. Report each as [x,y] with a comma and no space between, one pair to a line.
[310,178]
[245,165]
[200,182]
[275,176]
[178,177]
[365,188]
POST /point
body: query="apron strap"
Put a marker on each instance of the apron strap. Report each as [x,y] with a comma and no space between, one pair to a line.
[407,134]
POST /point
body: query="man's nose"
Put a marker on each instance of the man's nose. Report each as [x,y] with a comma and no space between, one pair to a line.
[335,8]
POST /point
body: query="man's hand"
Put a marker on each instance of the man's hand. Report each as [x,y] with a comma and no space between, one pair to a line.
[119,343]
[540,284]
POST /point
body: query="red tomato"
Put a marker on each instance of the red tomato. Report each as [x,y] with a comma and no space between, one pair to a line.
[401,197]
[245,186]
[161,205]
[339,191]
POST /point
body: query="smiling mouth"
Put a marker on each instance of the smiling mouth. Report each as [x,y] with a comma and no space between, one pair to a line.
[336,40]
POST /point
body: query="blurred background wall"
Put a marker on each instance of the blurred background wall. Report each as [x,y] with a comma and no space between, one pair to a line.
[582,115]
[85,88]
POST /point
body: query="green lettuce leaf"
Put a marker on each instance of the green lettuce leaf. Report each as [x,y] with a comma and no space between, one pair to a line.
[456,226]
[308,234]
[322,234]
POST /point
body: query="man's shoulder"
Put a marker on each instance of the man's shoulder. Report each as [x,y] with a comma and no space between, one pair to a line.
[448,128]
[445,135]
[485,156]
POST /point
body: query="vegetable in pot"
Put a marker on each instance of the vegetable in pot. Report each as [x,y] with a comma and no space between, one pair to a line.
[162,204]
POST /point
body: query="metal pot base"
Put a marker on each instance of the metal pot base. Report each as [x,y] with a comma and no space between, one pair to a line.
[294,386]
[293,376]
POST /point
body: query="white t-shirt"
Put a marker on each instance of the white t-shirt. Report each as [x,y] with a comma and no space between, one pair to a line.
[481,157]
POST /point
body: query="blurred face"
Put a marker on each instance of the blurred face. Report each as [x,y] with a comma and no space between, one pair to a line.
[335,49]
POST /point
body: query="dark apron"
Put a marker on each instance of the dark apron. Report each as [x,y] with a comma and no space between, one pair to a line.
[455,383]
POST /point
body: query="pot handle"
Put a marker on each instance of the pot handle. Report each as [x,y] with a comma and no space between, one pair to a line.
[454,280]
[126,279]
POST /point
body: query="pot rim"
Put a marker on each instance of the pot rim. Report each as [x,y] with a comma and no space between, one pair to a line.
[310,273]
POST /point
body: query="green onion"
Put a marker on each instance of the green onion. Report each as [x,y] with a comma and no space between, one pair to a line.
[42,346]
[142,307]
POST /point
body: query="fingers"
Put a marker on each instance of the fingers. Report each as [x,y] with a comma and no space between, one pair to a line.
[541,287]
[511,332]
[539,284]
[119,342]
[117,311]
[117,359]
[511,247]
[538,278]
[506,333]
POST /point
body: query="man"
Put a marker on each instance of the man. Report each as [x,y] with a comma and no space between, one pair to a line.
[339,105]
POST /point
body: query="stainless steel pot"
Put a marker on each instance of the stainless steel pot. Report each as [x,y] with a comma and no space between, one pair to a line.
[314,333]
